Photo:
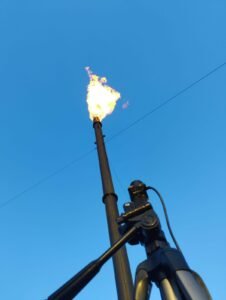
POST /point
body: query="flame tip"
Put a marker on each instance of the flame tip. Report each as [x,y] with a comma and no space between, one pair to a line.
[101,98]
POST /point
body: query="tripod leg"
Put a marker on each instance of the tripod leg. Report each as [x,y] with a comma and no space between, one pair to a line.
[192,285]
[143,286]
[187,285]
[169,290]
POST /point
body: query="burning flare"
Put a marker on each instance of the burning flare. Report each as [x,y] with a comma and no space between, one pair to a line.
[101,98]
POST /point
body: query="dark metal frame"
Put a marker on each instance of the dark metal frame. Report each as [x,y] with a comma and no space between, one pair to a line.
[164,266]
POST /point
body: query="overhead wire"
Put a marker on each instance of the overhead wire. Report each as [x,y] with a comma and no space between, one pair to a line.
[165,102]
[162,104]
[120,184]
[44,179]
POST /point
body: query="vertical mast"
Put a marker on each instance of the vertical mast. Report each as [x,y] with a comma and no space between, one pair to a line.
[120,259]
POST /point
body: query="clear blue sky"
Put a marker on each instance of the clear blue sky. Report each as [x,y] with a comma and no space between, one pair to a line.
[149,50]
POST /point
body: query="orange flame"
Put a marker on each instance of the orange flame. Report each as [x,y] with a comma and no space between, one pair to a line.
[101,98]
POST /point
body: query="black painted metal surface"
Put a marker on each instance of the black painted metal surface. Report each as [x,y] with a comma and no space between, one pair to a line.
[120,259]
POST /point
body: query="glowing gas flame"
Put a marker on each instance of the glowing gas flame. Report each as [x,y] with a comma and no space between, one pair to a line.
[101,98]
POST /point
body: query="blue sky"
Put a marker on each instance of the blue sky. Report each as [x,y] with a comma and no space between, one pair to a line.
[149,51]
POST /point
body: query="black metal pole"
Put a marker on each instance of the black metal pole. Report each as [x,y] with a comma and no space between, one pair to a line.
[122,270]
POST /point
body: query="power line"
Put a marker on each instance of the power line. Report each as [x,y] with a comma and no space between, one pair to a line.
[119,181]
[44,179]
[165,102]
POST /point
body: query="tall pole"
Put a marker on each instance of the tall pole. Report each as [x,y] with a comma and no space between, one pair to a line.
[122,270]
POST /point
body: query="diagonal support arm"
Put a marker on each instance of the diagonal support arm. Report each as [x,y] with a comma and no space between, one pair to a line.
[73,286]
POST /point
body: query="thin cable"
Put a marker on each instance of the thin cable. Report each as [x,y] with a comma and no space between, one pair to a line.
[113,136]
[118,180]
[167,101]
[44,179]
[166,216]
